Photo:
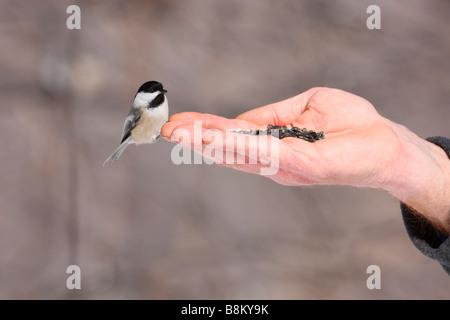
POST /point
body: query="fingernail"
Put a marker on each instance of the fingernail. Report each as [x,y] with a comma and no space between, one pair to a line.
[208,138]
[176,136]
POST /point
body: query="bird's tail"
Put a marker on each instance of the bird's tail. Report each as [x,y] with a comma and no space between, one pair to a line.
[116,154]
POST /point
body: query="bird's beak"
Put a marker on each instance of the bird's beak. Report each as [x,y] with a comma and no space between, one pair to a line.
[163,91]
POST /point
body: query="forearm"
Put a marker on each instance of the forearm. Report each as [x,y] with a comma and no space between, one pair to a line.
[420,178]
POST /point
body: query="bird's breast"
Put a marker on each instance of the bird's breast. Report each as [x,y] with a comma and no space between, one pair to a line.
[149,128]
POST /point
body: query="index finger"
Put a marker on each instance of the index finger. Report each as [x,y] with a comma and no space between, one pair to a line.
[207,121]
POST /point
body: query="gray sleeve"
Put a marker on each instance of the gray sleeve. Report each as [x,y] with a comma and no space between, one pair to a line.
[423,235]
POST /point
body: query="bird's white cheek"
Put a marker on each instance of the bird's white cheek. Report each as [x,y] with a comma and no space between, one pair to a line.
[143,98]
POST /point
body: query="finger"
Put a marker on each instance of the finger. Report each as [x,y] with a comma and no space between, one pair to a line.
[242,144]
[280,175]
[219,147]
[208,121]
[263,155]
[248,168]
[231,159]
[167,129]
[280,113]
[263,149]
[176,120]
[259,148]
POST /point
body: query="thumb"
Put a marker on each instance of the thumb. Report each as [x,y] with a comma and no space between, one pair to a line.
[280,113]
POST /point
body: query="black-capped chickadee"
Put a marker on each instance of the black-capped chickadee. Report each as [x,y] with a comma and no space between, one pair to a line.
[150,110]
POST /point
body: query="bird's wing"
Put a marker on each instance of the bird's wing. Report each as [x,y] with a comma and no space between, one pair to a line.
[133,118]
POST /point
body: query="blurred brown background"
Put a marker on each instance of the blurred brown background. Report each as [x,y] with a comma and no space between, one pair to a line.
[144,228]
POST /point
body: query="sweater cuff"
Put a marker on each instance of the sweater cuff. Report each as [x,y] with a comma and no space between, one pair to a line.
[424,236]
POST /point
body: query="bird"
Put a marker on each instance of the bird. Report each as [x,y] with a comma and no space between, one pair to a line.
[148,113]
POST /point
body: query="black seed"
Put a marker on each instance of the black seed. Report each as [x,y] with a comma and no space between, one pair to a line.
[287,134]
[307,138]
[282,132]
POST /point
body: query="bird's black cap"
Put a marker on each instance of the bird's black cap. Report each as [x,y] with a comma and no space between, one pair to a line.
[151,86]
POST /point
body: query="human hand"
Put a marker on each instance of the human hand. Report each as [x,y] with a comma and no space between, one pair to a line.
[361,148]
[354,148]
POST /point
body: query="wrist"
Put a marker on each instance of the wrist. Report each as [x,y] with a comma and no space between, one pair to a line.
[420,178]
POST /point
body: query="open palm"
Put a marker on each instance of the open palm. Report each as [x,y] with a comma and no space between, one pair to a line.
[359,146]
